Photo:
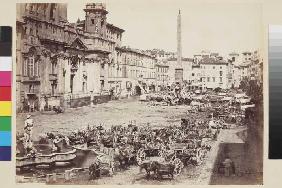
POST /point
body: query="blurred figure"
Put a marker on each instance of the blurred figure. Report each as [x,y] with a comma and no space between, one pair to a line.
[28,126]
[227,166]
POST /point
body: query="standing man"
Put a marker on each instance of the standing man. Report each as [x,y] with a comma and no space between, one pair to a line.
[28,105]
[112,93]
[91,98]
[227,166]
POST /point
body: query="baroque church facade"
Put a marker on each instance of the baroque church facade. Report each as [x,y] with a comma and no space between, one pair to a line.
[62,63]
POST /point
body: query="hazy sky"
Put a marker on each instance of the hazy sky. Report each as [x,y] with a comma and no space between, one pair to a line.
[219,27]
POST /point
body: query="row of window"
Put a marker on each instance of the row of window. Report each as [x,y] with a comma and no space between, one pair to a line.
[136,60]
[31,67]
[162,69]
[204,67]
[114,71]
[103,44]
[112,35]
[209,79]
[208,73]
[139,74]
[44,28]
[57,32]
[162,77]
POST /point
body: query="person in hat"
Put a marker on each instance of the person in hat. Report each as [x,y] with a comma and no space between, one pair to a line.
[56,147]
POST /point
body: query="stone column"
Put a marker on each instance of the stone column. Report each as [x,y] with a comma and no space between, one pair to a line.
[106,77]
[47,12]
[67,76]
[96,78]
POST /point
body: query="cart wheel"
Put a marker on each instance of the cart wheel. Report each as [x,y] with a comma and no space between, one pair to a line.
[239,119]
[140,156]
[161,153]
[178,165]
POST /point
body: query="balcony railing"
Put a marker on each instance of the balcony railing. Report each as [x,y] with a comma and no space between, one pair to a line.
[33,91]
[30,79]
[102,49]
[33,15]
[48,35]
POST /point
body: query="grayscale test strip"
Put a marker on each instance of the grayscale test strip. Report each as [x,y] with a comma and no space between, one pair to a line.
[6,41]
[275,91]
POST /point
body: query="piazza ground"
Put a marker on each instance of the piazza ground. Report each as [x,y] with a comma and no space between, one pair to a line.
[124,111]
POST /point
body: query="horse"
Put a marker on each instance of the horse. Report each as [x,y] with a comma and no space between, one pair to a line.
[149,167]
[165,169]
[94,171]
[58,109]
[122,157]
[107,141]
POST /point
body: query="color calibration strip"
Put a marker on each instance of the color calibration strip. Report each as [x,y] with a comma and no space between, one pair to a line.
[5,92]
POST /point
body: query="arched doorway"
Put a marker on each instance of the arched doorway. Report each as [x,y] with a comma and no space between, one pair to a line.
[32,102]
[137,90]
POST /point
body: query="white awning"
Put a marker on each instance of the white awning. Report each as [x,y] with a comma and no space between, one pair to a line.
[243,101]
[227,98]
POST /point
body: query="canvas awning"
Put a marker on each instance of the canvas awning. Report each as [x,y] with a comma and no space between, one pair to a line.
[227,98]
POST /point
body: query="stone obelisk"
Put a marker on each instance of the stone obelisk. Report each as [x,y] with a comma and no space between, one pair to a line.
[179,45]
[178,68]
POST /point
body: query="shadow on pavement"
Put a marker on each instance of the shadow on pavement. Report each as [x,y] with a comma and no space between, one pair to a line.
[243,175]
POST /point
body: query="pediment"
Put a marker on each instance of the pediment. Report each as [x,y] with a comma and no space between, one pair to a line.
[78,44]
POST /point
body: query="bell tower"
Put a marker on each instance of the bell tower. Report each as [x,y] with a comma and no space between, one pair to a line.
[96,18]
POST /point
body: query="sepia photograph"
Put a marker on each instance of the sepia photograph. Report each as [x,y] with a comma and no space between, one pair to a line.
[139,92]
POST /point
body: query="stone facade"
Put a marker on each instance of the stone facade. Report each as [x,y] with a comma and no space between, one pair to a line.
[133,73]
[174,70]
[162,77]
[196,77]
[59,62]
[247,65]
[214,73]
[72,64]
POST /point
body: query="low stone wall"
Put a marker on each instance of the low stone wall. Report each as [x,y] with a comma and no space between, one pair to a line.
[85,101]
[101,99]
[79,102]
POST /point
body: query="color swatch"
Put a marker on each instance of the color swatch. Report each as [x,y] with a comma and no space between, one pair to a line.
[5,92]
